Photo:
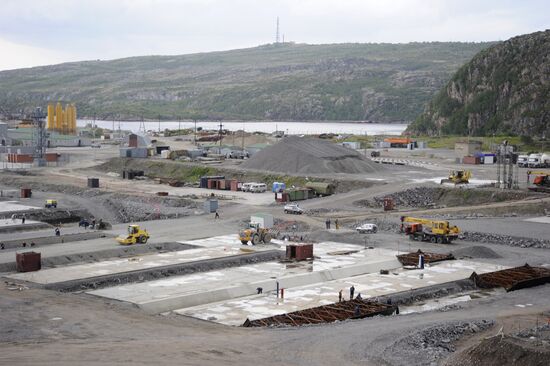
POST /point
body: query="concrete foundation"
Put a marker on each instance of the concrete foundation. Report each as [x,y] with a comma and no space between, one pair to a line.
[235,312]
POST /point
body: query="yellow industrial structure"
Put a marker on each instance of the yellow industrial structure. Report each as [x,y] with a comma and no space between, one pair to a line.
[62,121]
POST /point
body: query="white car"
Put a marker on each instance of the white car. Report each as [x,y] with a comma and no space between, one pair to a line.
[367,228]
[293,208]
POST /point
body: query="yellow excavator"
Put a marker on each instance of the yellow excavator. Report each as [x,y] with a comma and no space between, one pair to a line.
[435,231]
[135,235]
[458,177]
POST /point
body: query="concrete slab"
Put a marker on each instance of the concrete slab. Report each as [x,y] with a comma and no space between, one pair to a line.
[190,290]
[89,270]
[541,220]
[13,206]
[235,312]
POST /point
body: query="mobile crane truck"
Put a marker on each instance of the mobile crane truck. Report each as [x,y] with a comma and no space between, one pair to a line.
[435,231]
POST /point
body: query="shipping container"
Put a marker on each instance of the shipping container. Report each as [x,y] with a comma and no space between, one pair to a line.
[322,188]
[160,149]
[299,252]
[234,185]
[471,160]
[26,193]
[28,261]
[262,219]
[204,180]
[93,182]
[210,205]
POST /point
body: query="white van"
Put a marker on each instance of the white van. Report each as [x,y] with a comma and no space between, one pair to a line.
[245,187]
[258,187]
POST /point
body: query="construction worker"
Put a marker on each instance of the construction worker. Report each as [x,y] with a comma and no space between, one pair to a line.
[351,292]
[327,223]
[336,224]
[23,219]
[217,215]
[340,296]
[57,231]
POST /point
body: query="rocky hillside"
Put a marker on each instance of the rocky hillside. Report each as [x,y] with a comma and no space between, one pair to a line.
[503,89]
[380,82]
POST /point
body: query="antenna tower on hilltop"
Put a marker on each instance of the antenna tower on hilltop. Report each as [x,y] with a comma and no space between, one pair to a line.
[277,33]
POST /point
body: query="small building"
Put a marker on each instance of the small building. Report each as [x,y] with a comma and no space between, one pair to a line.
[134,152]
[467,148]
[355,145]
[400,142]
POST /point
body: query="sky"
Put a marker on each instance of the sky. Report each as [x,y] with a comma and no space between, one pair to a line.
[43,32]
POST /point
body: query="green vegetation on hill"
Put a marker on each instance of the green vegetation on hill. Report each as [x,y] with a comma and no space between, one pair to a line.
[380,82]
[505,89]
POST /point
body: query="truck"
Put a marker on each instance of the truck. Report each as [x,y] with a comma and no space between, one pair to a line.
[293,208]
[541,181]
[535,161]
[435,231]
[523,160]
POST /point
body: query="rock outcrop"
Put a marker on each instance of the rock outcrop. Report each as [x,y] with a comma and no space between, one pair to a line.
[504,89]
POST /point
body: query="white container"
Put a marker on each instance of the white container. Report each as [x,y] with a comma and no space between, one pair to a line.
[265,221]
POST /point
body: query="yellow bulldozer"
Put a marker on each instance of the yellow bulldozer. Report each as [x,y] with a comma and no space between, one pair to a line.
[135,235]
[435,231]
[255,234]
[458,177]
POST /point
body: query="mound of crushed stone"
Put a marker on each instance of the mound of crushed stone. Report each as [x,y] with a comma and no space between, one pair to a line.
[477,251]
[304,155]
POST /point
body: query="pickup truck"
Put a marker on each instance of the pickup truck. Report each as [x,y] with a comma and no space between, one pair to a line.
[367,228]
[293,209]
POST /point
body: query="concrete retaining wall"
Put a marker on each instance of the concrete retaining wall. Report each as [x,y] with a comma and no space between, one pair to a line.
[46,240]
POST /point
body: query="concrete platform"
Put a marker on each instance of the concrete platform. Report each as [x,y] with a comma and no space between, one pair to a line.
[14,206]
[191,290]
[90,270]
[235,312]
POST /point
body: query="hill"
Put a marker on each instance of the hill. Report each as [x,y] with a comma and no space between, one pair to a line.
[505,89]
[380,82]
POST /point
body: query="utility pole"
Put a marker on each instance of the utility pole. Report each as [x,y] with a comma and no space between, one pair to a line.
[220,133]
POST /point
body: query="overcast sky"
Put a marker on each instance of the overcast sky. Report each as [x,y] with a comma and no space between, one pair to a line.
[41,32]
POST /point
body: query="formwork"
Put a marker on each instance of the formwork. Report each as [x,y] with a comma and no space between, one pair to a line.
[513,278]
[411,259]
[354,309]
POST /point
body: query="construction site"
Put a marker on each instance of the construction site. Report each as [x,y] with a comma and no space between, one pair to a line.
[225,247]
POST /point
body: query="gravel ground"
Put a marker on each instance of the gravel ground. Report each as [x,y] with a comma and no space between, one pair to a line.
[430,345]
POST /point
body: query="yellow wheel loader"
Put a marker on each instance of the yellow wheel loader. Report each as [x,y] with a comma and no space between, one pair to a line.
[458,177]
[255,234]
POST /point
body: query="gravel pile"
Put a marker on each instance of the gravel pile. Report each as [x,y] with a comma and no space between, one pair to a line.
[477,251]
[512,241]
[542,332]
[414,197]
[429,346]
[305,155]
[141,208]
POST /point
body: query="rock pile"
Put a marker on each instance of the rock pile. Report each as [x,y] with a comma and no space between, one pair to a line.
[513,241]
[430,345]
[414,197]
[304,155]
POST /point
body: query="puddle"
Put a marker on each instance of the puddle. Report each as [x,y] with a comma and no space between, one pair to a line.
[441,302]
